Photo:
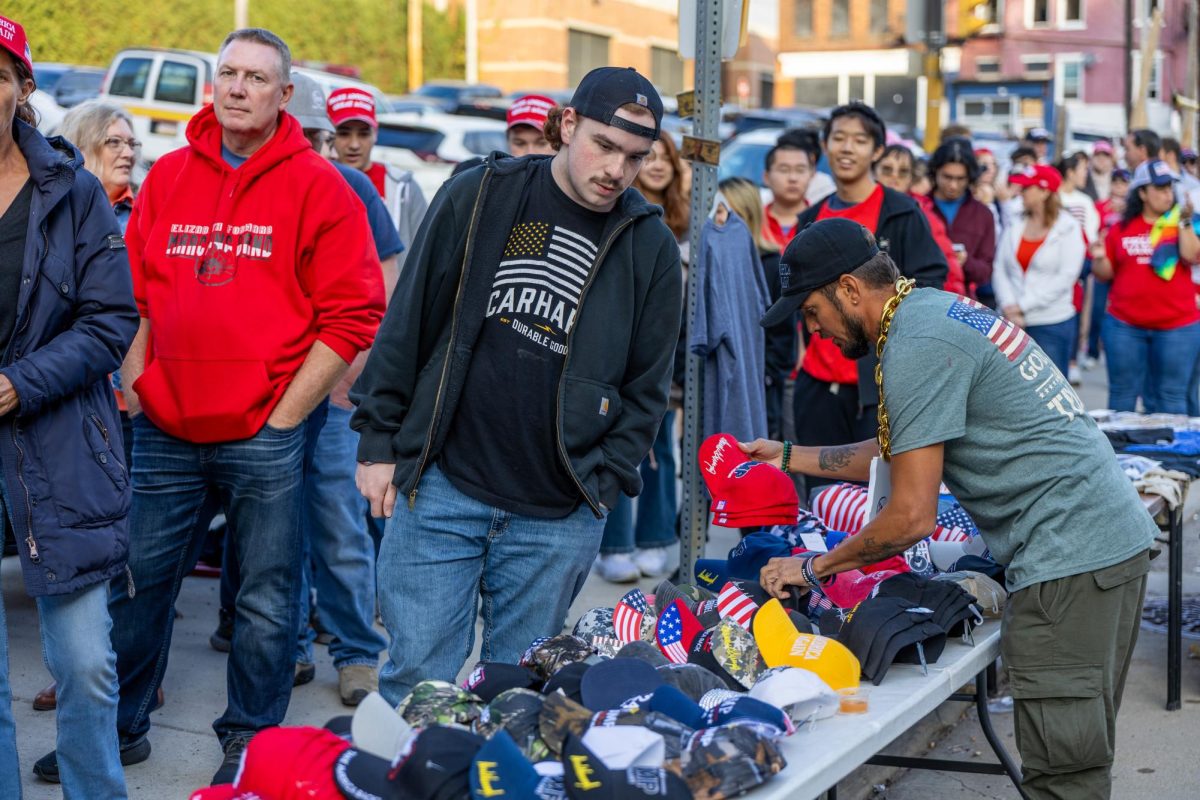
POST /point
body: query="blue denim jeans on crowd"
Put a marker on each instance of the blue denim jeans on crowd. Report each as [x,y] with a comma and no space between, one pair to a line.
[448,553]
[656,506]
[1155,364]
[260,483]
[1057,341]
[1099,316]
[78,652]
[340,551]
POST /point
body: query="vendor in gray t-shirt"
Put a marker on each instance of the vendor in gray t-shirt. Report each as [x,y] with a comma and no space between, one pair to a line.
[972,400]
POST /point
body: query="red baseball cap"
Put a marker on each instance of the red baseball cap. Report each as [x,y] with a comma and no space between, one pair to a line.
[745,492]
[12,39]
[350,104]
[531,110]
[1038,175]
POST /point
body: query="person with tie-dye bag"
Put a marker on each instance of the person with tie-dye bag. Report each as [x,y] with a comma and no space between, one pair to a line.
[1152,336]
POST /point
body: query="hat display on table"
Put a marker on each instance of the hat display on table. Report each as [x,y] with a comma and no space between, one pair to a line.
[818,255]
[884,630]
[626,746]
[799,692]
[587,777]
[351,104]
[488,679]
[781,644]
[677,628]
[518,712]
[634,618]
[531,110]
[569,681]
[1039,175]
[728,761]
[500,769]
[604,90]
[610,683]
[548,656]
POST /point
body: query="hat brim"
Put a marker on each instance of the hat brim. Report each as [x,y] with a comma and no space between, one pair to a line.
[784,309]
[315,123]
[363,118]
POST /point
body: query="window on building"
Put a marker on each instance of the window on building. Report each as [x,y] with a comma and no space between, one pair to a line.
[987,67]
[857,86]
[1036,66]
[1070,78]
[878,17]
[1037,13]
[896,99]
[816,91]
[802,19]
[666,70]
[1070,13]
[585,52]
[839,18]
[991,113]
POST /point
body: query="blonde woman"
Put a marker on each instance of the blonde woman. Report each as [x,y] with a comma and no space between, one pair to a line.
[103,132]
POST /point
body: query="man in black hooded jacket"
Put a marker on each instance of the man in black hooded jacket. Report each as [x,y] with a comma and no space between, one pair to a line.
[517,382]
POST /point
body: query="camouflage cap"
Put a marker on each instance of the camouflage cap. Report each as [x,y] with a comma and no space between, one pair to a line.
[441,703]
[989,594]
[553,654]
[517,712]
[561,716]
[729,760]
[667,593]
[595,622]
[698,594]
[734,649]
[674,732]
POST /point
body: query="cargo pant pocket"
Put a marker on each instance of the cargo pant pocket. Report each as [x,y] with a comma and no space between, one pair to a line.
[1061,717]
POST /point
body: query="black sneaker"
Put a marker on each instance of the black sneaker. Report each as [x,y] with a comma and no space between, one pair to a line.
[222,638]
[304,674]
[46,767]
[234,747]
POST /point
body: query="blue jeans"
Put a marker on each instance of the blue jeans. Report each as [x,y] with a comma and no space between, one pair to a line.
[1156,364]
[1057,341]
[78,652]
[342,552]
[260,482]
[1099,316]
[656,505]
[440,558]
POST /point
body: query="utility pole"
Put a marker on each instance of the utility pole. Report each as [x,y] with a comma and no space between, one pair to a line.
[935,87]
[1140,117]
[472,10]
[416,63]
[241,14]
[1188,103]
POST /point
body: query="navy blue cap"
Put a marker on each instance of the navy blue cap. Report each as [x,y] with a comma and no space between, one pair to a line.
[610,683]
[604,90]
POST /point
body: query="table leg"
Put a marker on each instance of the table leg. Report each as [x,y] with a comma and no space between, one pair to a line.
[985,722]
[831,794]
[1175,610]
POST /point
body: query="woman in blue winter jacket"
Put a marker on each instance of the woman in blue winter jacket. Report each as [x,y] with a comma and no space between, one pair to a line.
[67,317]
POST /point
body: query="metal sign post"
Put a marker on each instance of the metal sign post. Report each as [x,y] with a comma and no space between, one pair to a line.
[709,15]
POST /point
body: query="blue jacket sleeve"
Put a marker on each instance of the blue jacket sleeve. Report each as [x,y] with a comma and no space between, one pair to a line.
[104,317]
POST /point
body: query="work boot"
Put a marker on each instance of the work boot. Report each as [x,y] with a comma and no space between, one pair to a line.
[46,767]
[222,638]
[355,682]
[235,745]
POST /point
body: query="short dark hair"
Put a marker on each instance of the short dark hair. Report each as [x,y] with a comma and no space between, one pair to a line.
[866,114]
[1147,140]
[263,36]
[796,139]
[1022,152]
[1171,145]
[898,150]
[1071,162]
[879,272]
[955,150]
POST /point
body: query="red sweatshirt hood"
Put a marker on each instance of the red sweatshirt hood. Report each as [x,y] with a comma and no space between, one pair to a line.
[204,135]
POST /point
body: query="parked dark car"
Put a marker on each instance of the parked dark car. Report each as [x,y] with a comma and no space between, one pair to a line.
[450,95]
[78,84]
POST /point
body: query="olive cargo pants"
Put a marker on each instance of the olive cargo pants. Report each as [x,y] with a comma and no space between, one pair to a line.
[1067,644]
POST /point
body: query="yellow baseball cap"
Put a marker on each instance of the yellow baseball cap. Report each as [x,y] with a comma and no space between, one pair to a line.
[781,645]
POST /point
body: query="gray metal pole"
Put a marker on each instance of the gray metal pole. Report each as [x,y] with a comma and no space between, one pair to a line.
[704,188]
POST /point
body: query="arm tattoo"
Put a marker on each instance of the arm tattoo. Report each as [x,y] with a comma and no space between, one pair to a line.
[873,550]
[835,459]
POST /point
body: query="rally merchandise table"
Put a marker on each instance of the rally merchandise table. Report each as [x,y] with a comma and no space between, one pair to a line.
[820,755]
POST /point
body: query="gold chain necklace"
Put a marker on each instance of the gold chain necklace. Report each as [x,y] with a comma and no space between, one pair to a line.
[903,287]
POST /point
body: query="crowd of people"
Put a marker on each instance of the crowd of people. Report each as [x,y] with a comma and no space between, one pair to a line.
[383,394]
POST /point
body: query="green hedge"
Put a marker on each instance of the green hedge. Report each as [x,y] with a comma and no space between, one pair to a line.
[370,34]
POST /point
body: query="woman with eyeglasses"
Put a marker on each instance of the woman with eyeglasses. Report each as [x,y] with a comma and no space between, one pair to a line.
[896,169]
[103,132]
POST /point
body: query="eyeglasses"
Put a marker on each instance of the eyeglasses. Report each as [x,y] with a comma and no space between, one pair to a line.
[799,172]
[115,143]
[888,172]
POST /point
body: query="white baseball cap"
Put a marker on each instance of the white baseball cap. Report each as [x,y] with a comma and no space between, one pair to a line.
[799,692]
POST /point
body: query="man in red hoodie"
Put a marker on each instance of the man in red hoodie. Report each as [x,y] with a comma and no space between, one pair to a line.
[257,282]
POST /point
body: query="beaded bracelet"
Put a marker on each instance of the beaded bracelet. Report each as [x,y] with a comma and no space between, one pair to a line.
[787,455]
[810,574]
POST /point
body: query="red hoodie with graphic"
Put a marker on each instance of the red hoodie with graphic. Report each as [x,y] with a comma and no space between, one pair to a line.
[238,272]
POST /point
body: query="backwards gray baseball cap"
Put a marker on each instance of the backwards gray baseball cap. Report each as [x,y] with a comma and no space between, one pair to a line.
[308,104]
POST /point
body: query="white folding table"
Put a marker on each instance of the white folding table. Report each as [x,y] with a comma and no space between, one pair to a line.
[821,754]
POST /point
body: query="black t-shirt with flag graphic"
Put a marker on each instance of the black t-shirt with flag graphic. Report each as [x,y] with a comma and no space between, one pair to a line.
[502,448]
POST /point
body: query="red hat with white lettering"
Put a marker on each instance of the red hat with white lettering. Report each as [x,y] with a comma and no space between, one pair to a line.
[12,39]
[1039,175]
[350,104]
[531,110]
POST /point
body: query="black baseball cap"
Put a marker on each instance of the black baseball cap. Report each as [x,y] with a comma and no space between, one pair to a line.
[820,254]
[605,89]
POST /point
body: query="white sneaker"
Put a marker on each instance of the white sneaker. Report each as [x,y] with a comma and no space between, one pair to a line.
[617,568]
[652,562]
[1089,363]
[1074,376]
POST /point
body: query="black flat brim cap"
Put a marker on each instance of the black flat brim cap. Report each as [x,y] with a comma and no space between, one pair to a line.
[818,255]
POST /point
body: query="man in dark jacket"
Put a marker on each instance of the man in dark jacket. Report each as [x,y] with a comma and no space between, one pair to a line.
[835,398]
[66,319]
[516,384]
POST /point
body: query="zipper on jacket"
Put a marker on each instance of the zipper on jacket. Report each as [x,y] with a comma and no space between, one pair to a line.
[437,402]
[30,542]
[104,432]
[12,341]
[562,449]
